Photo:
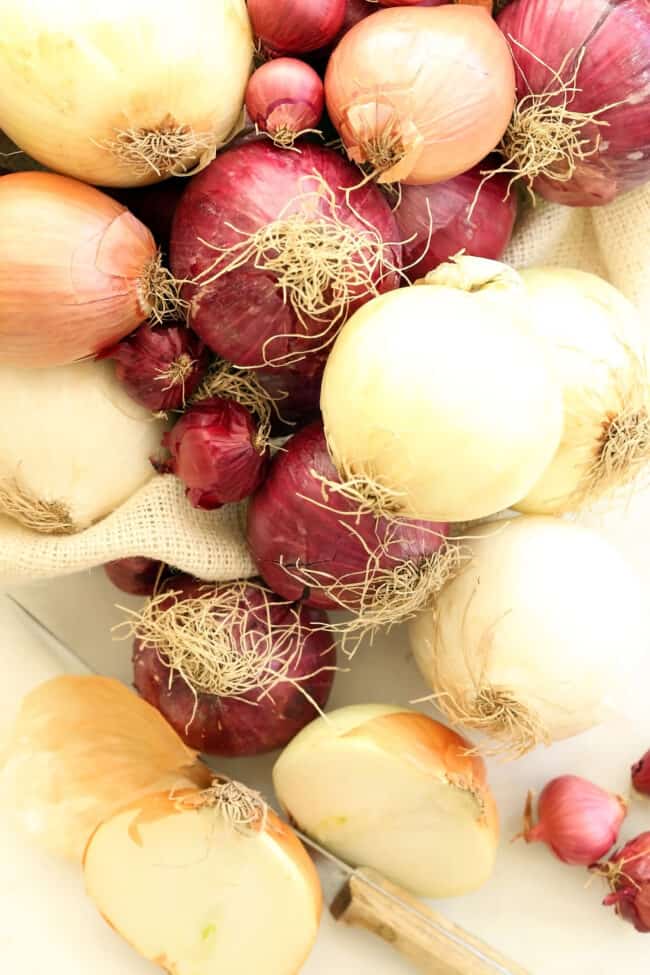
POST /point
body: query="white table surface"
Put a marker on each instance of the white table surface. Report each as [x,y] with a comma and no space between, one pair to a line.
[534,909]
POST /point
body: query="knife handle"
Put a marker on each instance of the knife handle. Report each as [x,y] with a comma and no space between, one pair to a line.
[432,943]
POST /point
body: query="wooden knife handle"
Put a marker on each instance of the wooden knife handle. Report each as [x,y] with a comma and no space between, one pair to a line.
[432,943]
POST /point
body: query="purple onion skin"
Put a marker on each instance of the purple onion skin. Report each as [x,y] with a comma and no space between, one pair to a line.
[213,452]
[232,727]
[138,575]
[433,220]
[145,355]
[631,882]
[242,315]
[614,71]
[641,774]
[285,529]
[296,390]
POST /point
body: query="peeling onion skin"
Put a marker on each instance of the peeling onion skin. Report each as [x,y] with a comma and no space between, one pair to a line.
[249,187]
[246,725]
[284,527]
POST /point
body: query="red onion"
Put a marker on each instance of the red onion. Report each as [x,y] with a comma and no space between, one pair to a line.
[284,98]
[601,51]
[641,775]
[317,545]
[217,452]
[138,576]
[235,670]
[160,368]
[295,26]
[280,252]
[440,215]
[628,872]
[577,819]
[295,390]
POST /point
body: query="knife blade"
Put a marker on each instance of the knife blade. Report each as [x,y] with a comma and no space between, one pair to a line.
[360,896]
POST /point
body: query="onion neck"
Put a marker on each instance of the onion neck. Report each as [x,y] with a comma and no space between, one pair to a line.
[474,274]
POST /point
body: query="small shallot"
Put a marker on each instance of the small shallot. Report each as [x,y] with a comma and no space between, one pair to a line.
[641,775]
[578,820]
[138,575]
[285,98]
[628,874]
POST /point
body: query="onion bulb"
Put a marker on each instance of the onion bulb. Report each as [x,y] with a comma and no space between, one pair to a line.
[80,748]
[73,445]
[437,399]
[285,98]
[534,639]
[79,271]
[123,95]
[597,340]
[421,94]
[392,789]
[206,882]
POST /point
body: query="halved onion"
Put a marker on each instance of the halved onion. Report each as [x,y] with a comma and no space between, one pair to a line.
[80,748]
[206,883]
[393,789]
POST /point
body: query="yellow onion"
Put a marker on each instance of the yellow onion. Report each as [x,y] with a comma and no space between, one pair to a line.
[126,93]
[80,748]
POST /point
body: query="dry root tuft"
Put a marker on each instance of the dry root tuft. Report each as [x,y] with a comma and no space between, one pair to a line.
[320,263]
[624,451]
[368,496]
[169,150]
[243,387]
[243,809]
[160,292]
[497,713]
[47,517]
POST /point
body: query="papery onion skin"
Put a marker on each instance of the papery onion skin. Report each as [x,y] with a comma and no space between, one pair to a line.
[641,775]
[578,820]
[285,97]
[242,315]
[74,263]
[379,86]
[628,871]
[143,96]
[614,72]
[439,214]
[215,452]
[249,724]
[160,368]
[292,523]
[295,26]
[137,575]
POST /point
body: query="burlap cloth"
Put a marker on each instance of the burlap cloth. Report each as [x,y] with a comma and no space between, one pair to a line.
[612,241]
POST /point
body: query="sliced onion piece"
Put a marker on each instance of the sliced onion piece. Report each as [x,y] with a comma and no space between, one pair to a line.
[206,883]
[393,789]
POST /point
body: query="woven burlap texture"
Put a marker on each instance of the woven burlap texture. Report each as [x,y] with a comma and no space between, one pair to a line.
[612,241]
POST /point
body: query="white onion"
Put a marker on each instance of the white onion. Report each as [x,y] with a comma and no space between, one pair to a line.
[535,639]
[196,890]
[393,789]
[73,445]
[597,340]
[124,93]
[442,395]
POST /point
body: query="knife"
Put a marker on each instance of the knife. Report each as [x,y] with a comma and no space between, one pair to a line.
[361,897]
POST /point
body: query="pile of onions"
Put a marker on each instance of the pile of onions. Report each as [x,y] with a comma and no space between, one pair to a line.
[137,575]
[285,98]
[394,790]
[79,271]
[580,134]
[628,873]
[160,368]
[456,413]
[295,26]
[279,250]
[520,645]
[234,669]
[79,749]
[74,445]
[420,95]
[142,97]
[598,343]
[218,453]
[311,542]
[184,876]
[578,820]
[466,213]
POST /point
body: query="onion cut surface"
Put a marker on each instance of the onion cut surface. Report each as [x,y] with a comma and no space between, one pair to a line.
[392,789]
